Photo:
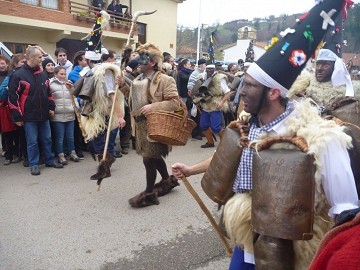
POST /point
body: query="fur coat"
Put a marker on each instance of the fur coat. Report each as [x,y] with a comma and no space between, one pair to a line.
[162,94]
[95,123]
[317,132]
[323,93]
[217,94]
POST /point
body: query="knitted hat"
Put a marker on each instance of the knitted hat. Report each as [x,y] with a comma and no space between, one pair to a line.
[283,62]
[133,64]
[201,61]
[46,61]
[166,54]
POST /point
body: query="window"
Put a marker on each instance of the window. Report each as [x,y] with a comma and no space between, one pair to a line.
[53,4]
[17,47]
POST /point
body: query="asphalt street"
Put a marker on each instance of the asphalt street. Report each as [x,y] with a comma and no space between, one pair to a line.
[59,220]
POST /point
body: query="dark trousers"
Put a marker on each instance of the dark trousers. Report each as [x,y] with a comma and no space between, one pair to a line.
[196,130]
[125,132]
[11,143]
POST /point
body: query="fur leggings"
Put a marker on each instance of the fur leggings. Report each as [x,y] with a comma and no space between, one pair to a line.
[152,165]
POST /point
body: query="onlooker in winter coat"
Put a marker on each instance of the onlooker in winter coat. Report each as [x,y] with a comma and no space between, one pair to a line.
[64,116]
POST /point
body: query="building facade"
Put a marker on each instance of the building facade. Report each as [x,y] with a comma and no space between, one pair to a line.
[64,23]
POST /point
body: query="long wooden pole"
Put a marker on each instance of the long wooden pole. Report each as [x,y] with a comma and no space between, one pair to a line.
[208,214]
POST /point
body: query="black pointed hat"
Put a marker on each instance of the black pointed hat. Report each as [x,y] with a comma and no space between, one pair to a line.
[94,44]
[283,62]
[333,39]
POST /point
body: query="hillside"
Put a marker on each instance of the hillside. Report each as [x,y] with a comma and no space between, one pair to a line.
[226,34]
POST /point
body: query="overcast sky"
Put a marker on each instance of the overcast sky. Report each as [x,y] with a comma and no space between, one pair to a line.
[213,11]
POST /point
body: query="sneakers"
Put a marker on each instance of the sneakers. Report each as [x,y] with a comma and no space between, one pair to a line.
[35,170]
[80,154]
[7,162]
[55,165]
[144,199]
[207,145]
[62,159]
[74,157]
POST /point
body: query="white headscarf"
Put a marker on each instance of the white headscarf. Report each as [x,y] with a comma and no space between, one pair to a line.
[340,75]
[262,77]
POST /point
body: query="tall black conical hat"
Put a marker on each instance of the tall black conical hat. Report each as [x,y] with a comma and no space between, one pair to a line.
[283,62]
[333,39]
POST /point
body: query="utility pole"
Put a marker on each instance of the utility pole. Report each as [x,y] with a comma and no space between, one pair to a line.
[198,36]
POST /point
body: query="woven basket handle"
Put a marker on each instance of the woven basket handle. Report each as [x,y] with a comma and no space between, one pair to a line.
[295,140]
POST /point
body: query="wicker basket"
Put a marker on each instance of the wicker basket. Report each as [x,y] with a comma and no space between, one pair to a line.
[169,128]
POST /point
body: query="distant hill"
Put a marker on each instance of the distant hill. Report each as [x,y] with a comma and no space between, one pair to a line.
[227,33]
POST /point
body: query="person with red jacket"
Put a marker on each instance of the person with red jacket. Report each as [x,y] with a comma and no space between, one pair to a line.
[31,106]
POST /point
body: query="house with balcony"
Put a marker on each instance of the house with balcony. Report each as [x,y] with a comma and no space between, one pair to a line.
[64,23]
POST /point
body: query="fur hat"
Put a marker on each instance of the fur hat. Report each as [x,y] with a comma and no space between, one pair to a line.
[148,52]
[283,62]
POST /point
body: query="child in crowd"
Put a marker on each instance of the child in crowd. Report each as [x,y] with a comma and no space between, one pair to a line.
[63,120]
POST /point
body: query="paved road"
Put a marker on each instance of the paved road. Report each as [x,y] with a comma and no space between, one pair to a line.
[59,221]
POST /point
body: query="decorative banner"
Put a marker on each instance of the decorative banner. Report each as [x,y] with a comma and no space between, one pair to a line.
[211,54]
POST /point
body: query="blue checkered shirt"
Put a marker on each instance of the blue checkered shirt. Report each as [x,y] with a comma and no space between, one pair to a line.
[243,180]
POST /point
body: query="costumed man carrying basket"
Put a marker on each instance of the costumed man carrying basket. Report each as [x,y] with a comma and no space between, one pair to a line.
[284,199]
[150,92]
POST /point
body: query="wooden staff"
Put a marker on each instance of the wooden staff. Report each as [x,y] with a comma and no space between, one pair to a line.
[76,110]
[208,214]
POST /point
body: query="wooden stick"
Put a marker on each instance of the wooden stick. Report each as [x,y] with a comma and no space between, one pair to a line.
[108,128]
[208,214]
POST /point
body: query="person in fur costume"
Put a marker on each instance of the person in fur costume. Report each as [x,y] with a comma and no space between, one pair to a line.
[96,122]
[264,95]
[150,91]
[100,96]
[330,82]
[213,102]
